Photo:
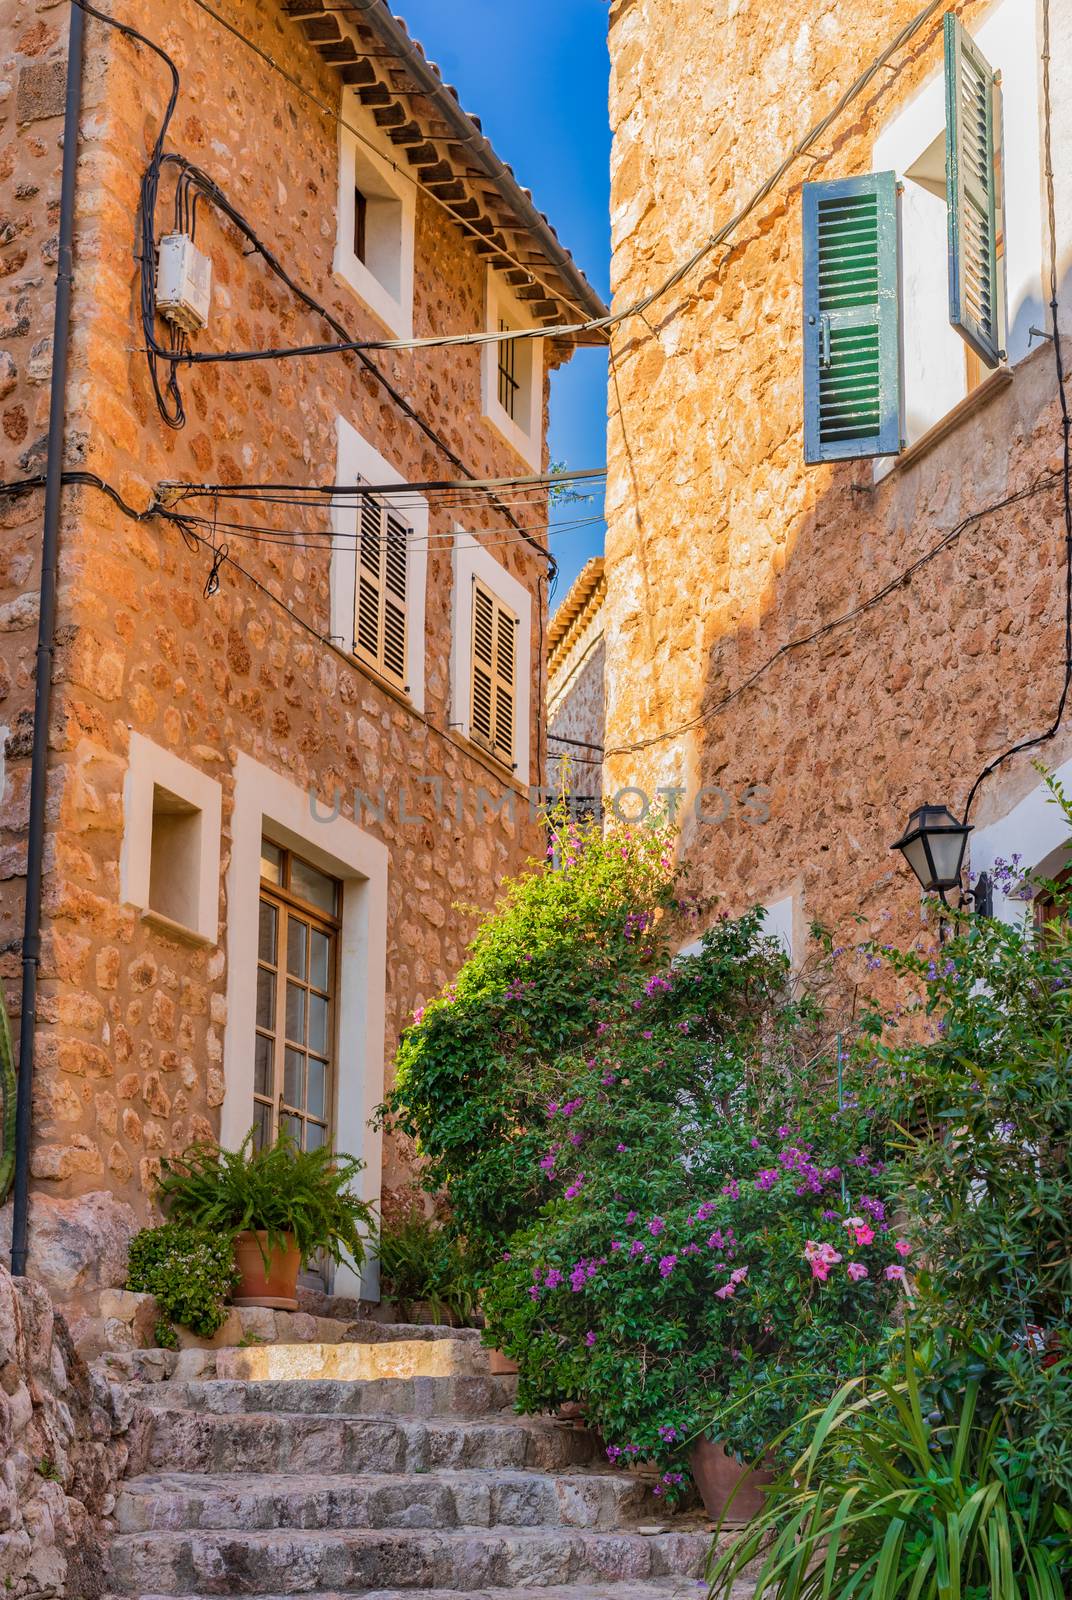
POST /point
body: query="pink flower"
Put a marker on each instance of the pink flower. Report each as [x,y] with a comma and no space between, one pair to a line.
[739,1275]
[821,1257]
[727,1292]
[895,1273]
[856,1270]
[902,1247]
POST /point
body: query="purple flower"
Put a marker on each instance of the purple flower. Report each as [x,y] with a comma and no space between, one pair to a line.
[667,1433]
[732,1189]
[553,1279]
[622,1148]
[767,1178]
[667,1265]
[656,1226]
[590,1338]
[576,1186]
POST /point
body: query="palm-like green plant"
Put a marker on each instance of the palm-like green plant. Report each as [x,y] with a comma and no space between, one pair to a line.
[911,1489]
[277,1190]
[421,1260]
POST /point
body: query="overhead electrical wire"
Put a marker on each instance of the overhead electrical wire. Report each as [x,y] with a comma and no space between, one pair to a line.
[592,324]
[1065,475]
[173,412]
[337,117]
[1039,486]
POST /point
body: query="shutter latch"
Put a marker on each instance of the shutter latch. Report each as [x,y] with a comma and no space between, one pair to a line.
[824,341]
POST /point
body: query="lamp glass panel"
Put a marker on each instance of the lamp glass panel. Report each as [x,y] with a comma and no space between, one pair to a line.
[916,856]
[947,852]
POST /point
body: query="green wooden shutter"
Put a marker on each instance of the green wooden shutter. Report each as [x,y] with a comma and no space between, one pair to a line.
[852,318]
[973,195]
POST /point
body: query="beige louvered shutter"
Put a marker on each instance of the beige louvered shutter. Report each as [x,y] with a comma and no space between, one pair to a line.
[505,672]
[380,599]
[395,561]
[483,665]
[368,600]
[494,686]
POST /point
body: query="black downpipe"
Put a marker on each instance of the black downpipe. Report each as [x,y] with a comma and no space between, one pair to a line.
[46,631]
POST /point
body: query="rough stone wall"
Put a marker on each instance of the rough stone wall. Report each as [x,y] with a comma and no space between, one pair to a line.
[130,1052]
[66,1437]
[579,714]
[723,546]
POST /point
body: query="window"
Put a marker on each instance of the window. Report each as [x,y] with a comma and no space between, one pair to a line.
[360,225]
[491,661]
[173,857]
[376,213]
[513,374]
[169,864]
[494,659]
[958,269]
[379,569]
[509,385]
[294,1050]
[380,590]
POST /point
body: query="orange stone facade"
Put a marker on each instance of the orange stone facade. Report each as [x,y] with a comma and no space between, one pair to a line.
[132,1049]
[798,760]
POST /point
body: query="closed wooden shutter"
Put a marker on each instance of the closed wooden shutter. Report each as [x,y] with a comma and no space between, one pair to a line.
[852,318]
[380,597]
[494,682]
[973,195]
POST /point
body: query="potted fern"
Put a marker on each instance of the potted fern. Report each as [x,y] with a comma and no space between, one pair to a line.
[283,1206]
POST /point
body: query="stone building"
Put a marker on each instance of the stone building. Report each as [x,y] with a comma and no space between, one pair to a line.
[289,730]
[576,689]
[835,566]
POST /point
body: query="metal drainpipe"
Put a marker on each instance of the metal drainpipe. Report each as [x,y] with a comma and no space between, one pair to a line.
[46,630]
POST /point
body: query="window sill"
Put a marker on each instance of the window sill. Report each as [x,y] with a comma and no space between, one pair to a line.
[996,383]
[395,315]
[175,930]
[508,769]
[522,443]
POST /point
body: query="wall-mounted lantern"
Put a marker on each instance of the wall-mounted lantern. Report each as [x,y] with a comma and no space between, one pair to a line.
[933,844]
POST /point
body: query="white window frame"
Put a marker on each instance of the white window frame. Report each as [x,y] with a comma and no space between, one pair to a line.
[265,803]
[359,461]
[470,561]
[1035,829]
[359,159]
[150,767]
[502,304]
[935,369]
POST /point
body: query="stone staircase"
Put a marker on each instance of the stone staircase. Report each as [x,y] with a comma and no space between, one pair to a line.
[386,1465]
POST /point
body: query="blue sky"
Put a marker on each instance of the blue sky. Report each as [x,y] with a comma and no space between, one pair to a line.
[535,73]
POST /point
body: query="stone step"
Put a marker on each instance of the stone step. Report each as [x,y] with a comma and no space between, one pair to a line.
[273,1441]
[653,1589]
[345,1560]
[176,1502]
[417,1397]
[354,1359]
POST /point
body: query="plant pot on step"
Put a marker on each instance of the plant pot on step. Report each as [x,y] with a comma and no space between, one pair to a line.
[275,1285]
[500,1365]
[717,1474]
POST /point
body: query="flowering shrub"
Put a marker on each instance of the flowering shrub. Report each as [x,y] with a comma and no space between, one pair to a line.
[986,1101]
[549,973]
[715,1248]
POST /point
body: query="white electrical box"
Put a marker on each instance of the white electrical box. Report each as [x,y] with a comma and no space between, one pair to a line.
[183,282]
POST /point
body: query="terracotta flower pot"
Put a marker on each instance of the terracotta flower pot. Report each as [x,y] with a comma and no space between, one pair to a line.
[278,1285]
[717,1475]
[500,1365]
